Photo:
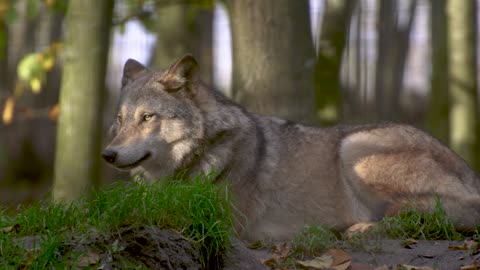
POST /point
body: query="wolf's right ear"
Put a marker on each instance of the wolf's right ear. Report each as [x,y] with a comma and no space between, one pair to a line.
[131,71]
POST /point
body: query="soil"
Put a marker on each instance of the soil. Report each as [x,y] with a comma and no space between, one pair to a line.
[382,254]
[150,247]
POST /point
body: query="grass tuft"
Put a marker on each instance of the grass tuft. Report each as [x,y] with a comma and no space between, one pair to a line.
[427,226]
[312,240]
[197,208]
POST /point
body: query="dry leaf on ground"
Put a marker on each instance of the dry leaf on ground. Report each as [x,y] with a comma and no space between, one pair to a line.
[322,262]
[8,229]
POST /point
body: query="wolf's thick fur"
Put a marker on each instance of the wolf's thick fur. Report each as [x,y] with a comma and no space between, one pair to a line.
[282,174]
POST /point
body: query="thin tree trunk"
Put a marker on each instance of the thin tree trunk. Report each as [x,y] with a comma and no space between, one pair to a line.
[79,125]
[393,45]
[331,43]
[273,57]
[437,118]
[185,28]
[462,75]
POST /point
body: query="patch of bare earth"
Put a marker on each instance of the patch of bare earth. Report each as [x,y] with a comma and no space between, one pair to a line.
[382,254]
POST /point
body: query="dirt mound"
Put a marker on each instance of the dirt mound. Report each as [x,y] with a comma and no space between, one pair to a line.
[154,248]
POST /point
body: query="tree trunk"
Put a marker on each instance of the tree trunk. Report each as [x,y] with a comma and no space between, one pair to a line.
[437,117]
[273,57]
[464,122]
[331,43]
[393,45]
[185,28]
[77,162]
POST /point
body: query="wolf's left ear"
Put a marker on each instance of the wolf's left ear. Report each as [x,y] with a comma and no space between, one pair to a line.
[185,69]
[131,71]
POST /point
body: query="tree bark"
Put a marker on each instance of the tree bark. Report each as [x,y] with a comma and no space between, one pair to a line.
[437,116]
[79,125]
[273,57]
[393,45]
[462,71]
[331,43]
[185,28]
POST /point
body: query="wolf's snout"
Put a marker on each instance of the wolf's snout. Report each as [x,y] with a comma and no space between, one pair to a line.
[109,155]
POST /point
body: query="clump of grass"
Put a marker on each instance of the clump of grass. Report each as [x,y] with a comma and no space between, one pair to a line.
[197,208]
[312,240]
[428,226]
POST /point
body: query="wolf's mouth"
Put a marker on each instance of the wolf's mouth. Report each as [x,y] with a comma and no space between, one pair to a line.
[136,163]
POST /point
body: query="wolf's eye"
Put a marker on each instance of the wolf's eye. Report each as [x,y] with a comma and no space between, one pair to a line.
[119,118]
[147,117]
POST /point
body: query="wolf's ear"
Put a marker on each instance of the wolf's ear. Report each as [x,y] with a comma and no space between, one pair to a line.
[182,72]
[131,70]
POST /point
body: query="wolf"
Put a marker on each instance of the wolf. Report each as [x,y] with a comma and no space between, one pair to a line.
[283,175]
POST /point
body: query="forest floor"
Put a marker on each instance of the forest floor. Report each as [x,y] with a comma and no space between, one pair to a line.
[383,254]
[114,234]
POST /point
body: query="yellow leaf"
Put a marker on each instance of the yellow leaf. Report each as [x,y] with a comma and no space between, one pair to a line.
[7,115]
[48,62]
[322,262]
[36,85]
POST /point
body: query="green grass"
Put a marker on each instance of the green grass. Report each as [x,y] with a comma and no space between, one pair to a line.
[313,240]
[197,208]
[426,226]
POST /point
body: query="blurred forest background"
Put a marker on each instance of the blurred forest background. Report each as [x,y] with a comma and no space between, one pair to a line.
[319,61]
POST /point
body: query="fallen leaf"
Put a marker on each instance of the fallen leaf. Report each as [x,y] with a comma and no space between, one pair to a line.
[272,262]
[281,251]
[474,266]
[322,262]
[412,267]
[359,228]
[409,243]
[8,229]
[462,247]
[89,259]
[343,266]
[339,256]
[471,244]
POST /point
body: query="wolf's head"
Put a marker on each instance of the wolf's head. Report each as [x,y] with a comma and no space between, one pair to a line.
[158,125]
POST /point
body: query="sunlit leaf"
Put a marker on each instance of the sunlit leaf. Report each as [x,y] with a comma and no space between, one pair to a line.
[7,115]
[48,61]
[29,67]
[36,85]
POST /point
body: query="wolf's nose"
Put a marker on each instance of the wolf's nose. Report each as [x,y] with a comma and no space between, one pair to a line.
[109,155]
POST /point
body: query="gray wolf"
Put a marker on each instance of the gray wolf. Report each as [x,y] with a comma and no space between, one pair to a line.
[282,174]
